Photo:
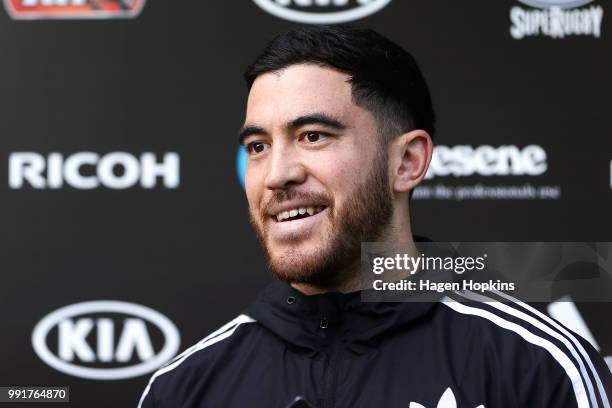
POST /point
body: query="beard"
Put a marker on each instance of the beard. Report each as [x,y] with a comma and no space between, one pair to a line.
[363,218]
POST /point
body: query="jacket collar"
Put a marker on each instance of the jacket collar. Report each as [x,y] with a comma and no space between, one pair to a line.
[313,323]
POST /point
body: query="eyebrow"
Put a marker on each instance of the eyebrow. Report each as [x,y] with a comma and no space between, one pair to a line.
[249,130]
[310,119]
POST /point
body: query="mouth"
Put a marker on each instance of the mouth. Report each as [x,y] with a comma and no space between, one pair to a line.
[298,213]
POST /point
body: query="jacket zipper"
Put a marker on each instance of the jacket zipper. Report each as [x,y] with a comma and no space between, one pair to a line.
[330,376]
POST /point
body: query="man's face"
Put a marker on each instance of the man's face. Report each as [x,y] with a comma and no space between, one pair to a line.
[316,176]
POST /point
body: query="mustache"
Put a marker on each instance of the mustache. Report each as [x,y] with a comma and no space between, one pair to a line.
[281,196]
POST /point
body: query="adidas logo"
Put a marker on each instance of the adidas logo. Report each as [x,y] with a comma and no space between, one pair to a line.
[447,400]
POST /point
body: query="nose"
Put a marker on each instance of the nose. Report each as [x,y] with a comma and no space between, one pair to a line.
[285,168]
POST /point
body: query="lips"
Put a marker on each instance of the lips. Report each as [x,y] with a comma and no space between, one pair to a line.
[294,216]
[296,223]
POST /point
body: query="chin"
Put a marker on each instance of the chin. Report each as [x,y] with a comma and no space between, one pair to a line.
[298,265]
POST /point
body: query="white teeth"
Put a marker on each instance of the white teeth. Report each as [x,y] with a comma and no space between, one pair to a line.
[300,210]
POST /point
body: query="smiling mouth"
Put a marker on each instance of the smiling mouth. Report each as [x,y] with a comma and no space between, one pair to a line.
[298,213]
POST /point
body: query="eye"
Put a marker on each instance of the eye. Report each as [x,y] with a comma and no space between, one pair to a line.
[256,147]
[313,137]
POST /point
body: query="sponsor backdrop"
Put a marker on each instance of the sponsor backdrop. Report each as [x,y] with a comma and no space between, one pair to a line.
[124,223]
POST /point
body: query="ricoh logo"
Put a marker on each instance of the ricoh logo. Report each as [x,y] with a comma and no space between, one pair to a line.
[322,11]
[105,340]
[485,160]
[556,19]
[73,9]
[89,170]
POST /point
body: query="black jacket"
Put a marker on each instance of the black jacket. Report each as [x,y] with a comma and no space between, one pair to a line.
[335,351]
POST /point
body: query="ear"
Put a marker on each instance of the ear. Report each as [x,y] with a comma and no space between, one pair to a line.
[410,155]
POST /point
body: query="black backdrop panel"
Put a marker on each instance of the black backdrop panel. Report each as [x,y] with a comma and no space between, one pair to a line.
[93,208]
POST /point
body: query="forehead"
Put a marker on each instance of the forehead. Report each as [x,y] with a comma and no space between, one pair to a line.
[277,97]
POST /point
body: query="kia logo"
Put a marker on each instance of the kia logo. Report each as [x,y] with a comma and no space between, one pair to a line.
[321,11]
[112,335]
[555,3]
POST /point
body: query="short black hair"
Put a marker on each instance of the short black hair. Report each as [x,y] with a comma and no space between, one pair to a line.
[385,78]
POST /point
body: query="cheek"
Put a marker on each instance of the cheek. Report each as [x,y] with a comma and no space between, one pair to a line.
[344,173]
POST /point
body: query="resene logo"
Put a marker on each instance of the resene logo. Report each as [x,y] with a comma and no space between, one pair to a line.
[461,173]
[322,11]
[85,344]
[555,3]
[73,9]
[485,160]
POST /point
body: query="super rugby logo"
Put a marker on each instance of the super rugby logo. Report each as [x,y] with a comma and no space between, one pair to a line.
[556,19]
[105,340]
[73,9]
[321,11]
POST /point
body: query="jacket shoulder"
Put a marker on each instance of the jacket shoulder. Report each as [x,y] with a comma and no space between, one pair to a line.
[168,386]
[543,360]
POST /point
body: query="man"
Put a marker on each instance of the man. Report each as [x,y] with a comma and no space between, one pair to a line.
[338,131]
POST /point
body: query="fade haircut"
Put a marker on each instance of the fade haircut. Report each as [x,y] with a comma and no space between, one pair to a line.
[385,79]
